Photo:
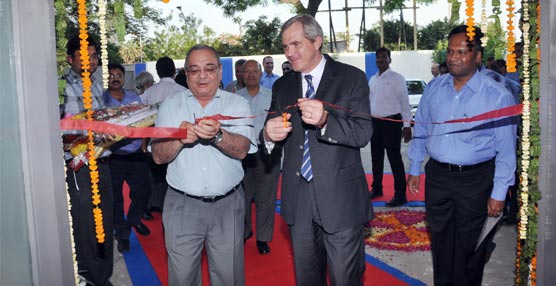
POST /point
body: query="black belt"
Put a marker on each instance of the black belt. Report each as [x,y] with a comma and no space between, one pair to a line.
[460,168]
[210,199]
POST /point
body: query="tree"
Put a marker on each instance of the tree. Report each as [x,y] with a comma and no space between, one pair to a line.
[398,5]
[262,37]
[371,42]
[232,7]
[433,32]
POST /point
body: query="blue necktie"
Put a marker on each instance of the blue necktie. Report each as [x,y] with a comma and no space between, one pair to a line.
[306,169]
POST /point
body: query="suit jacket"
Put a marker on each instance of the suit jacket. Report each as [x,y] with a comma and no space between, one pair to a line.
[342,194]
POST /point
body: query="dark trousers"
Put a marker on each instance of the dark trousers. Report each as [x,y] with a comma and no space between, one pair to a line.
[456,207]
[315,250]
[94,261]
[157,176]
[262,172]
[387,135]
[134,170]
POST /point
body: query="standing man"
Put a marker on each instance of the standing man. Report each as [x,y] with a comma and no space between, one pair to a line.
[435,70]
[325,197]
[204,205]
[237,84]
[94,262]
[128,163]
[166,86]
[389,100]
[286,67]
[262,170]
[269,77]
[471,164]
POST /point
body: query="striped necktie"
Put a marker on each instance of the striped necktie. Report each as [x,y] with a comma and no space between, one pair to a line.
[306,169]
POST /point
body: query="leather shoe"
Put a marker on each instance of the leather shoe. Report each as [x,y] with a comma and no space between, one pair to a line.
[396,202]
[142,229]
[262,247]
[148,215]
[376,193]
[123,245]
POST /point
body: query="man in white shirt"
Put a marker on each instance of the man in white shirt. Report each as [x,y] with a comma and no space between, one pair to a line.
[167,86]
[390,111]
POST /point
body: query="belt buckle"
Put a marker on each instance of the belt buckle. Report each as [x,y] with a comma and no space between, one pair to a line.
[210,199]
[454,168]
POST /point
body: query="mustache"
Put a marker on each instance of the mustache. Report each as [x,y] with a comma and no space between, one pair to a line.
[116,81]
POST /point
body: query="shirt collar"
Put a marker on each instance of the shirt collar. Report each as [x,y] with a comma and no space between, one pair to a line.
[318,70]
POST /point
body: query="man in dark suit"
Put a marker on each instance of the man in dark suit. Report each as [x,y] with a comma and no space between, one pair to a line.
[325,198]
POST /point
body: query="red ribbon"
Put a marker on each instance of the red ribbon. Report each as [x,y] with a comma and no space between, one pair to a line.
[168,132]
[129,132]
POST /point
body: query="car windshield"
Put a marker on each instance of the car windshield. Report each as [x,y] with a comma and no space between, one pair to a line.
[415,86]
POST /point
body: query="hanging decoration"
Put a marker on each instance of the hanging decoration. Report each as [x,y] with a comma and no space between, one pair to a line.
[470,22]
[510,59]
[103,42]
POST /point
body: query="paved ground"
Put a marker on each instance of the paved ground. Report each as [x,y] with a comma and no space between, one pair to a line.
[418,265]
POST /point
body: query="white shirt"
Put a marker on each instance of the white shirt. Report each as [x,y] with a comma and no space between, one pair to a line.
[316,75]
[161,90]
[388,96]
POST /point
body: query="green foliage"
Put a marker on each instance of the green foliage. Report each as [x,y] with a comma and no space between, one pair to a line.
[232,7]
[439,54]
[371,41]
[262,37]
[431,34]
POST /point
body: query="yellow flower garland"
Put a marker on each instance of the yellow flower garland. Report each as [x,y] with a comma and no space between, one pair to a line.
[469,10]
[88,104]
[511,60]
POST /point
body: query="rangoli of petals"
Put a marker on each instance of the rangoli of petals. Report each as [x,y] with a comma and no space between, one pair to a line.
[400,230]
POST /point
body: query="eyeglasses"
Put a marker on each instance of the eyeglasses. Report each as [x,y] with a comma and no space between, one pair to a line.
[117,75]
[286,70]
[209,69]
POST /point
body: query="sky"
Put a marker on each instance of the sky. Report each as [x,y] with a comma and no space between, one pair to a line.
[212,16]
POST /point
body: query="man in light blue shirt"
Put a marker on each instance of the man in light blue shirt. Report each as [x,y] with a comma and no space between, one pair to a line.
[262,170]
[204,205]
[268,78]
[128,163]
[471,164]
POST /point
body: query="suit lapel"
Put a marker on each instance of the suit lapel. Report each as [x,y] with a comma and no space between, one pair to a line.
[327,79]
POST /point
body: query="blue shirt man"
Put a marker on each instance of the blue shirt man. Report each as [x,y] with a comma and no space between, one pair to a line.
[268,78]
[471,164]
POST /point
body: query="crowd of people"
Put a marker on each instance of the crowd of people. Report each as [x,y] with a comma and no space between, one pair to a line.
[206,184]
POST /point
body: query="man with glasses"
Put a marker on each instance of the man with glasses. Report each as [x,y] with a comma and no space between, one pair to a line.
[94,262]
[128,163]
[286,67]
[262,170]
[204,205]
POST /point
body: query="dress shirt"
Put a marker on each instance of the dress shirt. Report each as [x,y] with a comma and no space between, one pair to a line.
[267,80]
[165,87]
[73,93]
[260,103]
[466,143]
[316,75]
[388,96]
[129,98]
[202,169]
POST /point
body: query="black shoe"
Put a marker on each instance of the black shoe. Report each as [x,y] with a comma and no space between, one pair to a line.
[396,202]
[376,193]
[248,237]
[142,229]
[123,245]
[263,247]
[148,215]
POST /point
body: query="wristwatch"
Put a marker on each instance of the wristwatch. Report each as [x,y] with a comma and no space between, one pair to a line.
[218,137]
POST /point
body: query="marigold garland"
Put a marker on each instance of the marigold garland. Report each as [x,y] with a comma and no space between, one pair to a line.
[511,60]
[470,22]
[88,104]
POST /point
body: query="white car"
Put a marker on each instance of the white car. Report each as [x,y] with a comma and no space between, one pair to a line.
[415,88]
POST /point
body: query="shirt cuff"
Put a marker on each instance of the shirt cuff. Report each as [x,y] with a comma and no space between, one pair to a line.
[269,146]
[415,168]
[499,193]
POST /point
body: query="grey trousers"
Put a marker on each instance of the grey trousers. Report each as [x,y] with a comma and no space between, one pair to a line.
[191,225]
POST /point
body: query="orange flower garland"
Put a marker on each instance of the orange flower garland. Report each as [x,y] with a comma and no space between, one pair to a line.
[88,104]
[469,10]
[511,60]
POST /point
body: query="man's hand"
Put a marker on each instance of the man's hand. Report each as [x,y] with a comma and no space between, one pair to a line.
[274,129]
[191,136]
[312,112]
[495,207]
[406,134]
[207,128]
[413,184]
